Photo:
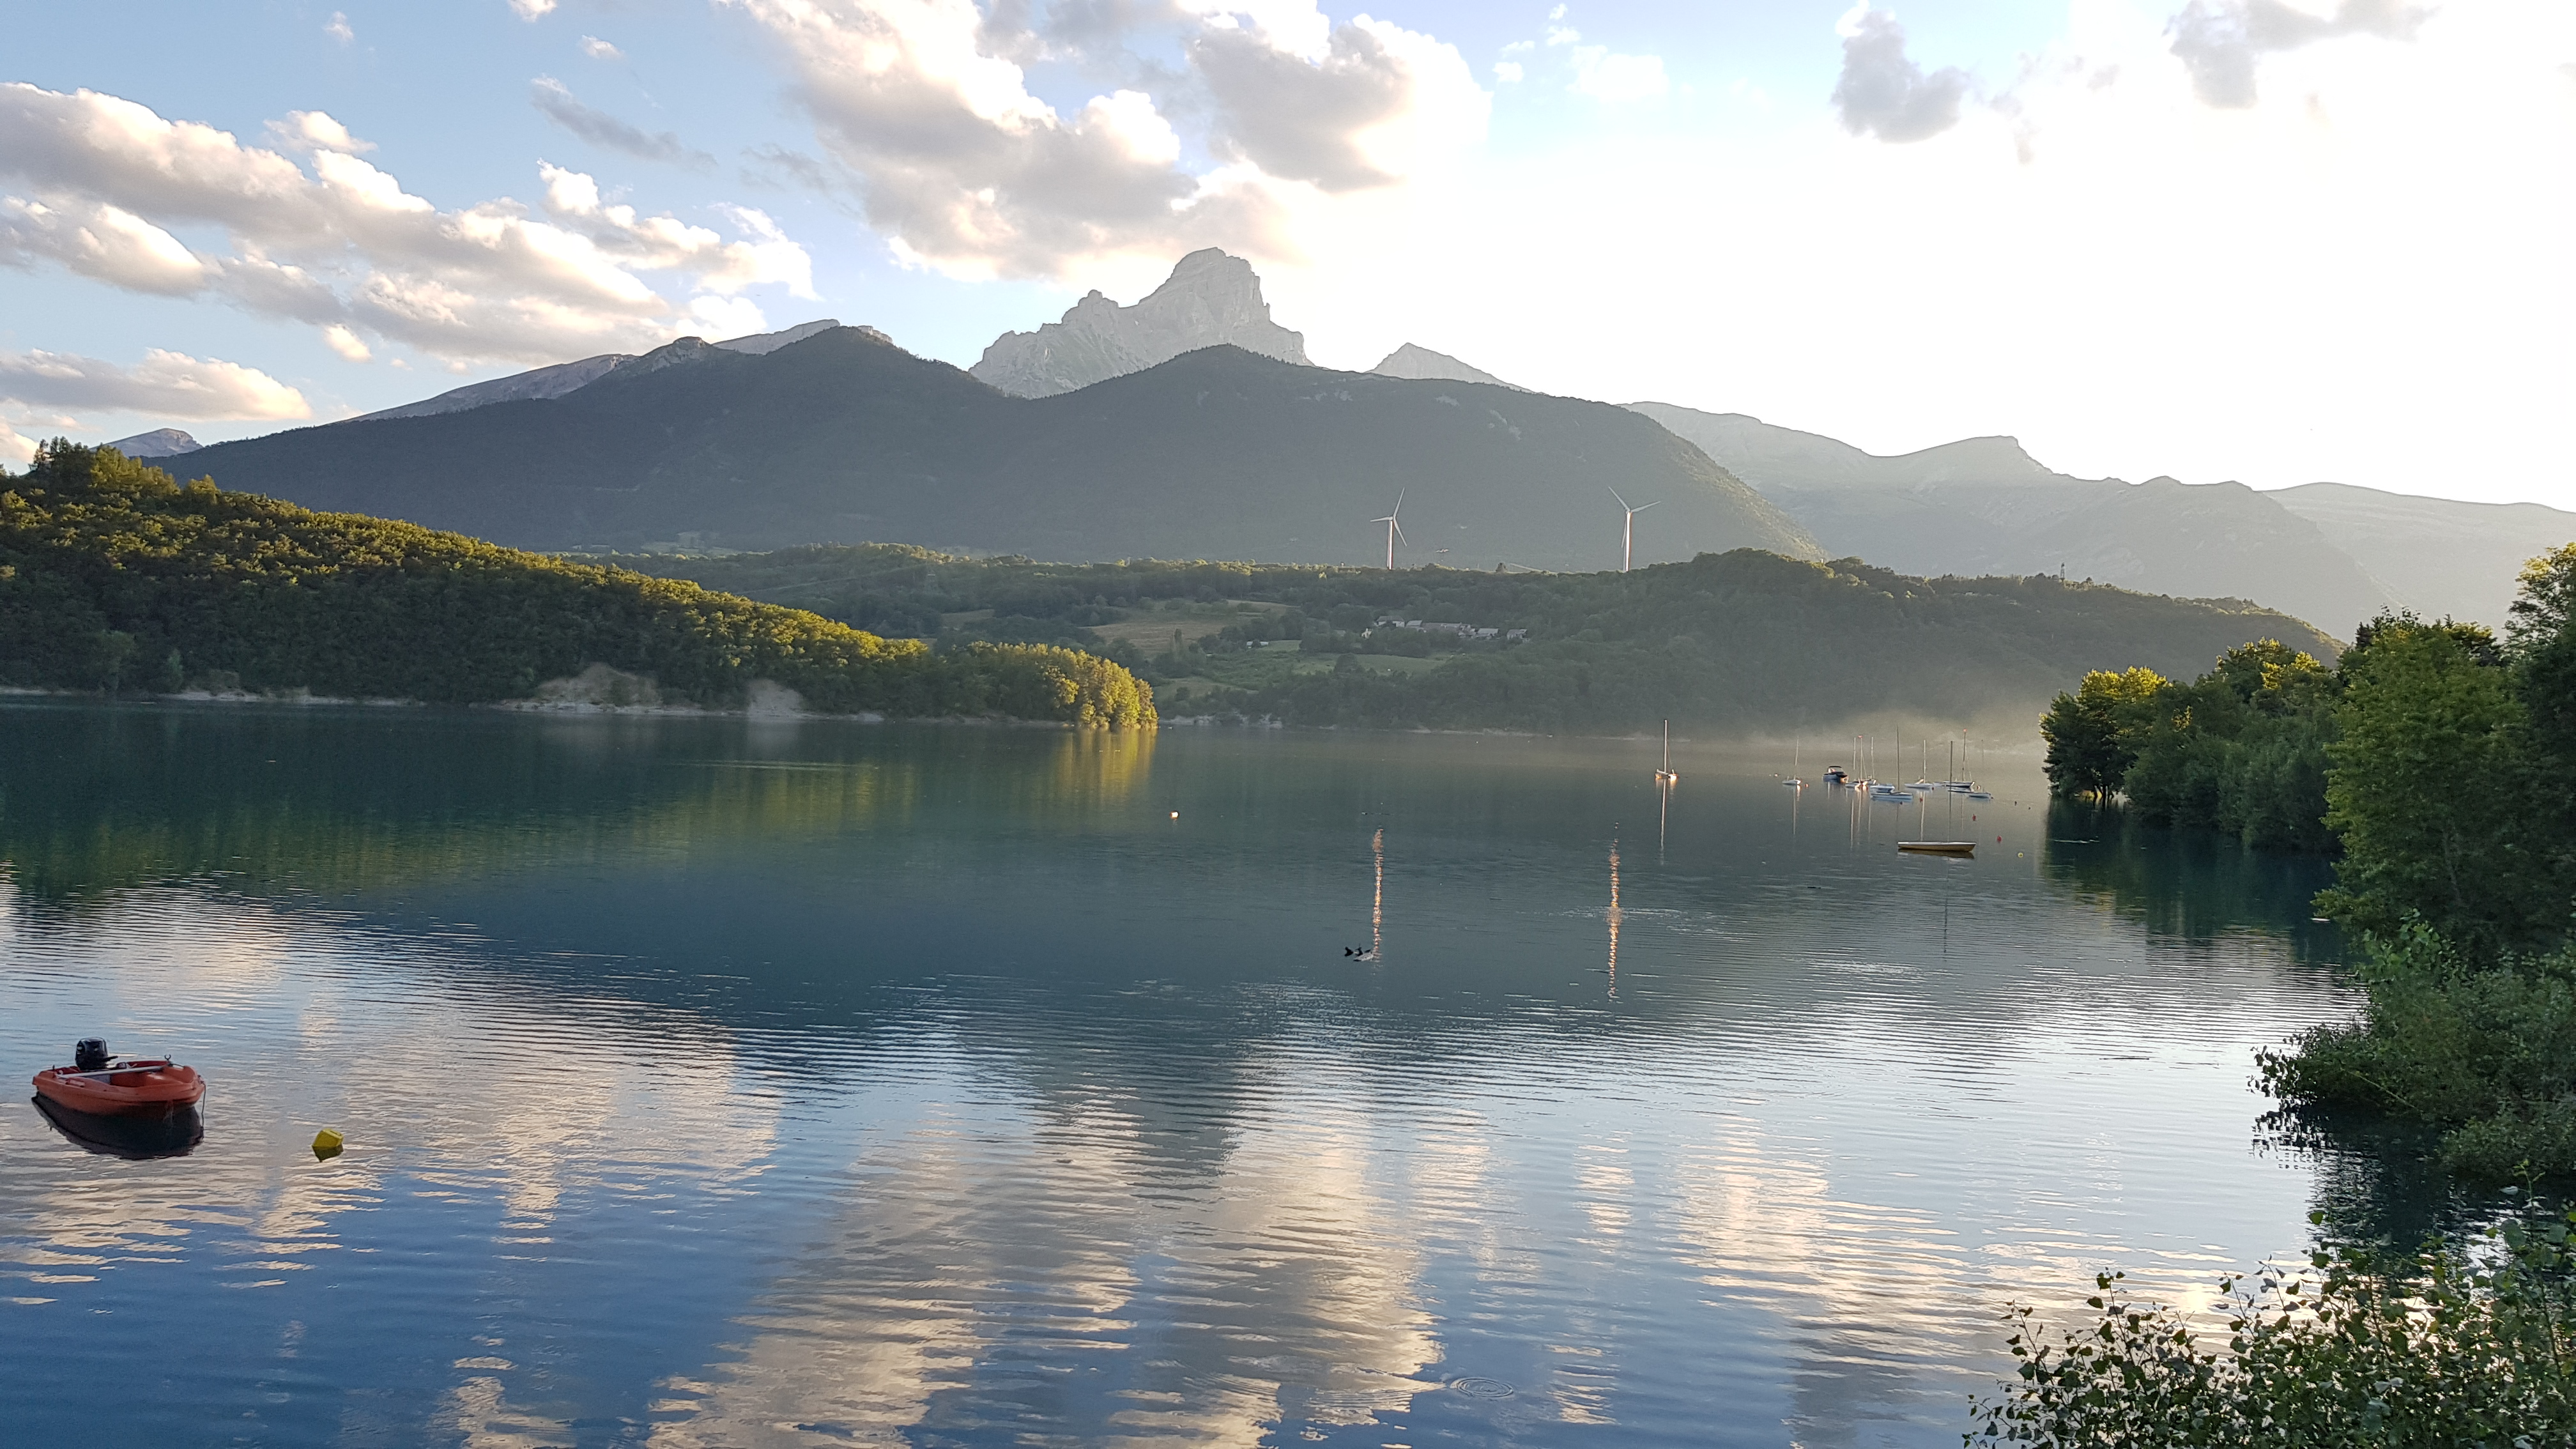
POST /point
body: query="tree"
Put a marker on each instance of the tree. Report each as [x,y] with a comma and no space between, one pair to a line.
[2541,634]
[2546,603]
[114,576]
[2427,778]
[2091,733]
[2240,749]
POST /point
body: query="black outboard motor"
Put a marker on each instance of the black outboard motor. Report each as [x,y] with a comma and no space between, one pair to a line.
[90,1055]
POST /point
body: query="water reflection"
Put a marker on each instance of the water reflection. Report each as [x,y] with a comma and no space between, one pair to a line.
[2189,886]
[94,800]
[718,1085]
[134,1138]
[1612,915]
[1377,893]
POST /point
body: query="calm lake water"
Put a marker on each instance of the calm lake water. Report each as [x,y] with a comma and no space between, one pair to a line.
[727,1083]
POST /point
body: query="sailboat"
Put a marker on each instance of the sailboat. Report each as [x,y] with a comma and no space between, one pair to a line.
[1793,782]
[1664,774]
[1953,848]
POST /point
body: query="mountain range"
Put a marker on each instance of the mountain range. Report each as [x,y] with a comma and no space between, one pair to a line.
[2327,552]
[1192,424]
[564,377]
[1216,453]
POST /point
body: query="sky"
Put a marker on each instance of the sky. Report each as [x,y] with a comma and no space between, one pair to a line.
[2275,241]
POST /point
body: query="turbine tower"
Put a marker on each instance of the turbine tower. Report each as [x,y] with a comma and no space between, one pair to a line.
[1394,530]
[1628,532]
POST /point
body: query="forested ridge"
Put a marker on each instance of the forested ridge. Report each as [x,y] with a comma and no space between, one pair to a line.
[1745,639]
[115,577]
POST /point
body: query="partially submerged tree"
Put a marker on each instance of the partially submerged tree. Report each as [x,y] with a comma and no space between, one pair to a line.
[2091,733]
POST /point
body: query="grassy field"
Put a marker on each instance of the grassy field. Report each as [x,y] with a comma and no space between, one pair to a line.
[1151,629]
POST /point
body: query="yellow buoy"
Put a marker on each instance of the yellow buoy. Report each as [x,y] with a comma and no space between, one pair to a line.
[327,1144]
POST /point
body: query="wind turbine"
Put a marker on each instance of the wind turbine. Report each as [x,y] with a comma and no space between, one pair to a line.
[1628,534]
[1394,530]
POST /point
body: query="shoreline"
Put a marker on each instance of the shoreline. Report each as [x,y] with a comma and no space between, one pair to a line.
[300,699]
[773,712]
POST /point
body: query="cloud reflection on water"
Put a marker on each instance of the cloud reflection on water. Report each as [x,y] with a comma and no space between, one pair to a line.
[902,1092]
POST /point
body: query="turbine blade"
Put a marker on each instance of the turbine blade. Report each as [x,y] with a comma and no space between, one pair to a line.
[1642,507]
[1615,494]
[1399,532]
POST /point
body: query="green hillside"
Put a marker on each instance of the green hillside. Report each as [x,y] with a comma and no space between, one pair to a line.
[844,436]
[1744,639]
[114,577]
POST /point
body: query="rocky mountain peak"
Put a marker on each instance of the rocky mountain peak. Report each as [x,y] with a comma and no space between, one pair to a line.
[1411,361]
[1210,298]
[158,443]
[761,344]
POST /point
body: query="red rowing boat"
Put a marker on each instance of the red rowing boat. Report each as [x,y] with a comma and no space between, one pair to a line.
[105,1087]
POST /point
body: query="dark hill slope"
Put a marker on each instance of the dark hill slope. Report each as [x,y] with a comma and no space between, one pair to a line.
[1224,454]
[843,436]
[1741,640]
[113,577]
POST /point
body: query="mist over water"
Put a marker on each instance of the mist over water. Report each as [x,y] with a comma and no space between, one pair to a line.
[717,1083]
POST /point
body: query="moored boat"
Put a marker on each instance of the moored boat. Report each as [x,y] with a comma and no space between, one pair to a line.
[1937,847]
[106,1087]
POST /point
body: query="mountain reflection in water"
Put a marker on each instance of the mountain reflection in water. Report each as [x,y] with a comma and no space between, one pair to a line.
[710,1082]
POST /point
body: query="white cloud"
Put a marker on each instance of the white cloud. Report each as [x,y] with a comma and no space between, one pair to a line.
[308,131]
[725,317]
[165,384]
[348,344]
[2221,42]
[602,129]
[1509,71]
[338,28]
[1362,113]
[15,450]
[2372,288]
[1882,92]
[961,167]
[346,246]
[1602,75]
[598,49]
[769,257]
[533,10]
[663,243]
[100,241]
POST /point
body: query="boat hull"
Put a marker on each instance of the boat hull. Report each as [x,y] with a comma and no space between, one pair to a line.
[134,1136]
[1937,847]
[134,1089]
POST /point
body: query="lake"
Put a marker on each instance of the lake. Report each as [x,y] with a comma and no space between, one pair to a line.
[721,1082]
